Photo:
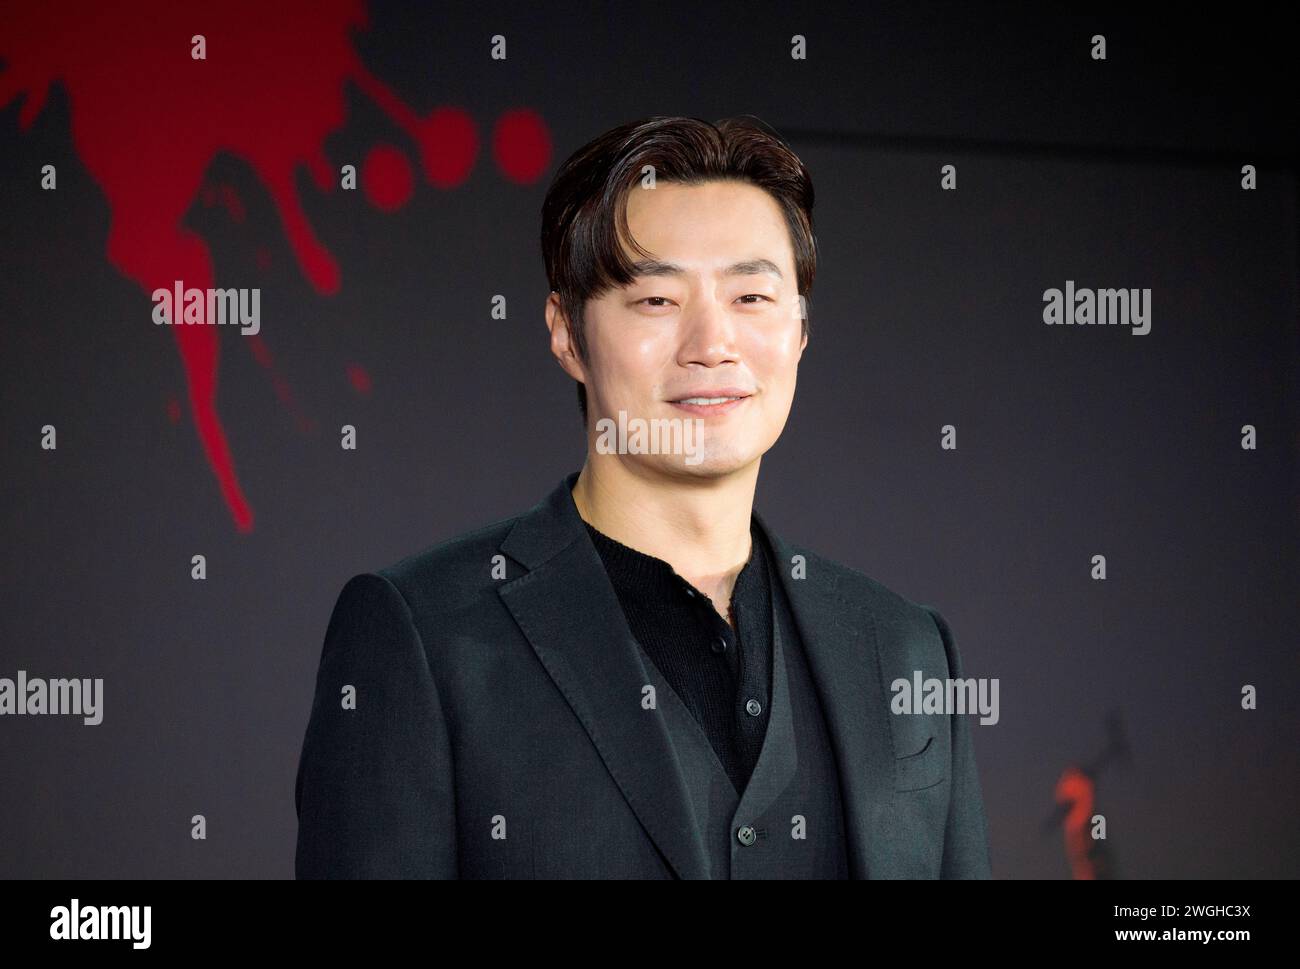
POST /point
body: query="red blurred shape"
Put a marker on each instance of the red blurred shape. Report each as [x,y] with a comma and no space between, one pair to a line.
[359,378]
[1077,789]
[521,145]
[386,178]
[147,120]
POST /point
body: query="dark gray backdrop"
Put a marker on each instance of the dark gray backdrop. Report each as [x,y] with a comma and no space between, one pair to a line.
[927,311]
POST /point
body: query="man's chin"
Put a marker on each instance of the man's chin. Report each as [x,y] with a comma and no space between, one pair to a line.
[703,465]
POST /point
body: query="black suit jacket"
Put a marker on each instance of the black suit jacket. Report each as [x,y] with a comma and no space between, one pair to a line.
[498,731]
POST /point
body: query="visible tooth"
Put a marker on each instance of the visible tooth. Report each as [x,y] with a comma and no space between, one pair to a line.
[707,400]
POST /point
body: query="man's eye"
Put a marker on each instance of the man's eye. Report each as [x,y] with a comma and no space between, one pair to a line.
[665,300]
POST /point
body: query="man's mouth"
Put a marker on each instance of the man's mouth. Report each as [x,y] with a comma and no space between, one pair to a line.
[711,403]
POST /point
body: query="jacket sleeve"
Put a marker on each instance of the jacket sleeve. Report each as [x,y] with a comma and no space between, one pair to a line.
[374,792]
[966,838]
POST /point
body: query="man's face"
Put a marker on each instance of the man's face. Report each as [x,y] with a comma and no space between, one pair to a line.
[718,314]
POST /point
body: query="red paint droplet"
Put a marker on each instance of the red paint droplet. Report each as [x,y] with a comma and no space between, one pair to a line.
[521,145]
[386,178]
[173,410]
[263,258]
[359,378]
[448,146]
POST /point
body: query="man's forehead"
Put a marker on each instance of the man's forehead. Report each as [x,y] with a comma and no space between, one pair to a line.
[744,243]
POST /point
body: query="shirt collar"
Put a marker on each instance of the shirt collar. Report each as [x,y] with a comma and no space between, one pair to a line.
[630,568]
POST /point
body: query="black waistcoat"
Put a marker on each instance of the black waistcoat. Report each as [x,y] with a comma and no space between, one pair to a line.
[786,820]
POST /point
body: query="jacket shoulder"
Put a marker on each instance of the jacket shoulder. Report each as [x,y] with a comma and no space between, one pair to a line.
[854,585]
[910,635]
[454,573]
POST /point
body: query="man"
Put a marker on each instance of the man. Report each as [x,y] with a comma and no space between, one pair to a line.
[638,678]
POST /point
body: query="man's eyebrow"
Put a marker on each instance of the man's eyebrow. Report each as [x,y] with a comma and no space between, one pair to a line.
[749,267]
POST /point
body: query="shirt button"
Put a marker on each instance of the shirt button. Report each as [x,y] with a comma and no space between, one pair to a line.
[753,708]
[690,592]
[719,645]
[745,835]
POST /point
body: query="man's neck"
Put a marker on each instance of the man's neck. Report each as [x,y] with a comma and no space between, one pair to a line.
[698,526]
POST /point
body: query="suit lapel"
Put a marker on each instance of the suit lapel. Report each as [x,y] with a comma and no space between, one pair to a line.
[568,610]
[840,639]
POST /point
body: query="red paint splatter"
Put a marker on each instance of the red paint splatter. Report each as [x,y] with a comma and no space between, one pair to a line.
[173,410]
[447,138]
[359,378]
[147,121]
[386,178]
[521,146]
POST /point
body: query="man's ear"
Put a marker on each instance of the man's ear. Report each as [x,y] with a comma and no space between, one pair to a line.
[561,339]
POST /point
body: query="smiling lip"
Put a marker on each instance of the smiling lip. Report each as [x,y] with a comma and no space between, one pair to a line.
[709,410]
